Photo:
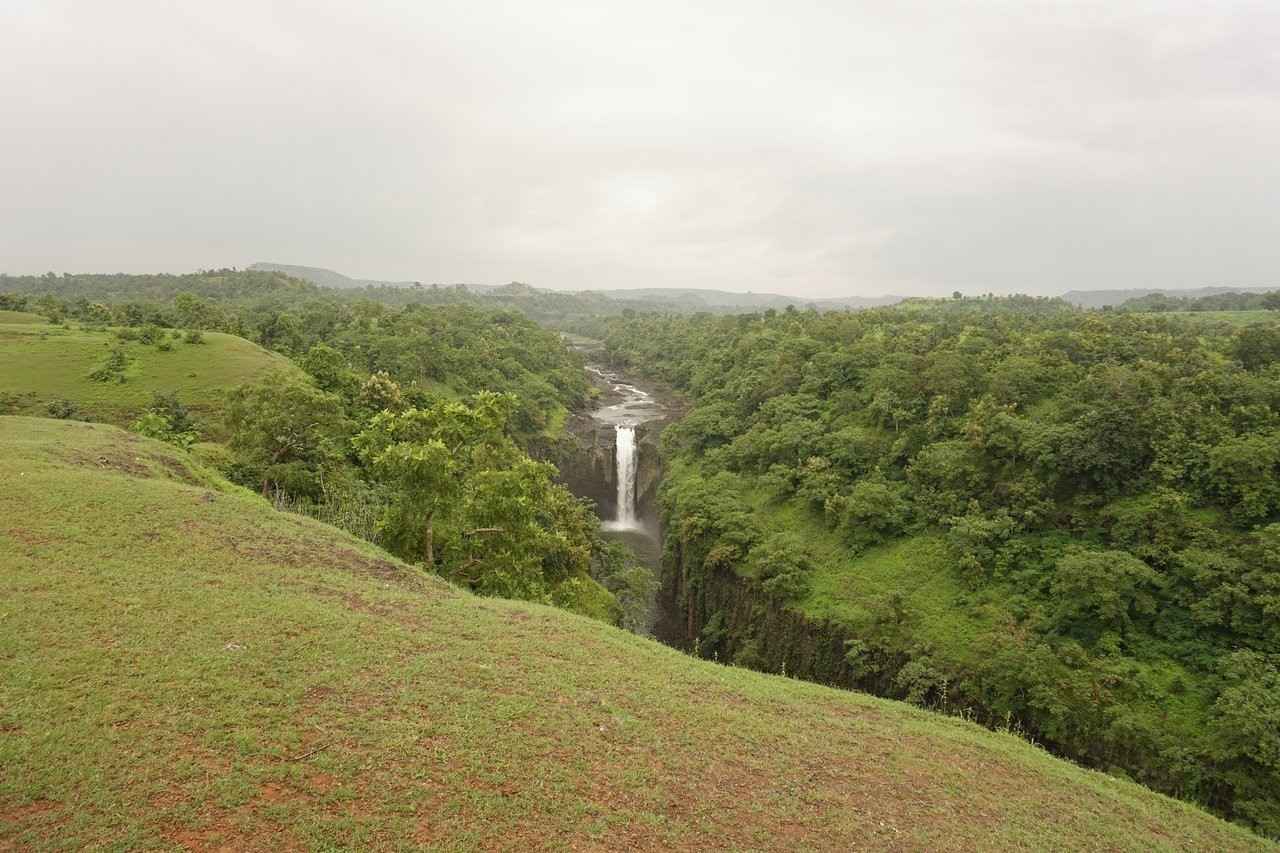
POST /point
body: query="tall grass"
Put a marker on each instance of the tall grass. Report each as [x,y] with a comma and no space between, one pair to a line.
[357,512]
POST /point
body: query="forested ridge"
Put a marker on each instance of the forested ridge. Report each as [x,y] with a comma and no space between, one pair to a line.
[412,426]
[1056,521]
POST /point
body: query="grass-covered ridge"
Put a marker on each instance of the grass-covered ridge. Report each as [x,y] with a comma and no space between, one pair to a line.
[182,666]
[42,364]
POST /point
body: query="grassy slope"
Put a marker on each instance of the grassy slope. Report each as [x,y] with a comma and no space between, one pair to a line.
[182,666]
[44,363]
[21,317]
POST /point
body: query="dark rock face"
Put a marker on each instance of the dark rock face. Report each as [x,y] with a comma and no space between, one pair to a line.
[587,465]
[649,475]
[587,459]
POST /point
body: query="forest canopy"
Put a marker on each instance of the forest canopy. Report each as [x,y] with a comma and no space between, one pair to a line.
[1102,492]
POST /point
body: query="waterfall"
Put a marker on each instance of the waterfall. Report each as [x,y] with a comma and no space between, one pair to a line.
[626,473]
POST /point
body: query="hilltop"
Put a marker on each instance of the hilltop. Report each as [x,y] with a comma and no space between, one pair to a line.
[325,277]
[652,298]
[42,363]
[1104,298]
[186,667]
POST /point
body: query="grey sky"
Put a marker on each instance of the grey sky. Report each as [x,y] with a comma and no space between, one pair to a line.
[806,148]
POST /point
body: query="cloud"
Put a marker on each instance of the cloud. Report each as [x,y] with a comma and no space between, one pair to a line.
[807,148]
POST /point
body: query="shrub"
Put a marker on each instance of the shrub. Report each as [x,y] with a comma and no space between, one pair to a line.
[62,409]
[171,407]
[782,567]
[156,425]
[194,336]
[111,370]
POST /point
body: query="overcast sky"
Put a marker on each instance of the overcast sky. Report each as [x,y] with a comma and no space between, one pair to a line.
[816,149]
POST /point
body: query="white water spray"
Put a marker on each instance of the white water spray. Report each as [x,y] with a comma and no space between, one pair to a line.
[626,473]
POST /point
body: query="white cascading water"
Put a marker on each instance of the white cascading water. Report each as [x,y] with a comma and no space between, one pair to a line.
[626,473]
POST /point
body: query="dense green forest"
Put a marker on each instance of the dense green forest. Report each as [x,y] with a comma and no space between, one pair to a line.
[1055,521]
[262,290]
[412,426]
[1058,522]
[1245,301]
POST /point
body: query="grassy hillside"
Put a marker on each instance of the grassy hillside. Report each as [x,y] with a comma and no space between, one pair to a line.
[40,364]
[183,667]
[20,317]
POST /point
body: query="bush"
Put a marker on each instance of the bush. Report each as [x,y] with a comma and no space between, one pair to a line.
[150,334]
[165,346]
[782,567]
[194,336]
[62,409]
[587,598]
[156,425]
[111,370]
[872,512]
[168,420]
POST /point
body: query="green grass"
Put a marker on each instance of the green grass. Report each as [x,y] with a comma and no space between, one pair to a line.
[846,585]
[42,364]
[183,667]
[20,318]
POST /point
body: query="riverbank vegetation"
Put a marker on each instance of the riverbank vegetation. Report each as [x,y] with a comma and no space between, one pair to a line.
[1058,521]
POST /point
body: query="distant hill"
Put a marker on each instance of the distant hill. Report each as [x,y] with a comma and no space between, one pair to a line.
[719,300]
[187,668]
[665,298]
[1103,298]
[326,278]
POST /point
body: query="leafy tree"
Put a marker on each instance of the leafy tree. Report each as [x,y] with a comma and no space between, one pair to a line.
[285,433]
[782,567]
[425,455]
[1257,346]
[1246,735]
[1100,591]
[872,511]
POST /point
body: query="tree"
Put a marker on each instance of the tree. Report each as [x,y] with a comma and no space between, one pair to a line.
[782,566]
[425,455]
[286,432]
[1257,346]
[1246,735]
[1102,590]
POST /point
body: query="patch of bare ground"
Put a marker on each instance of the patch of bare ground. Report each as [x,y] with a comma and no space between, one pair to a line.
[111,458]
[44,816]
[27,537]
[176,468]
[294,552]
[224,831]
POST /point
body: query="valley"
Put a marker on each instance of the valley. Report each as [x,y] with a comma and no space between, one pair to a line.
[1014,522]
